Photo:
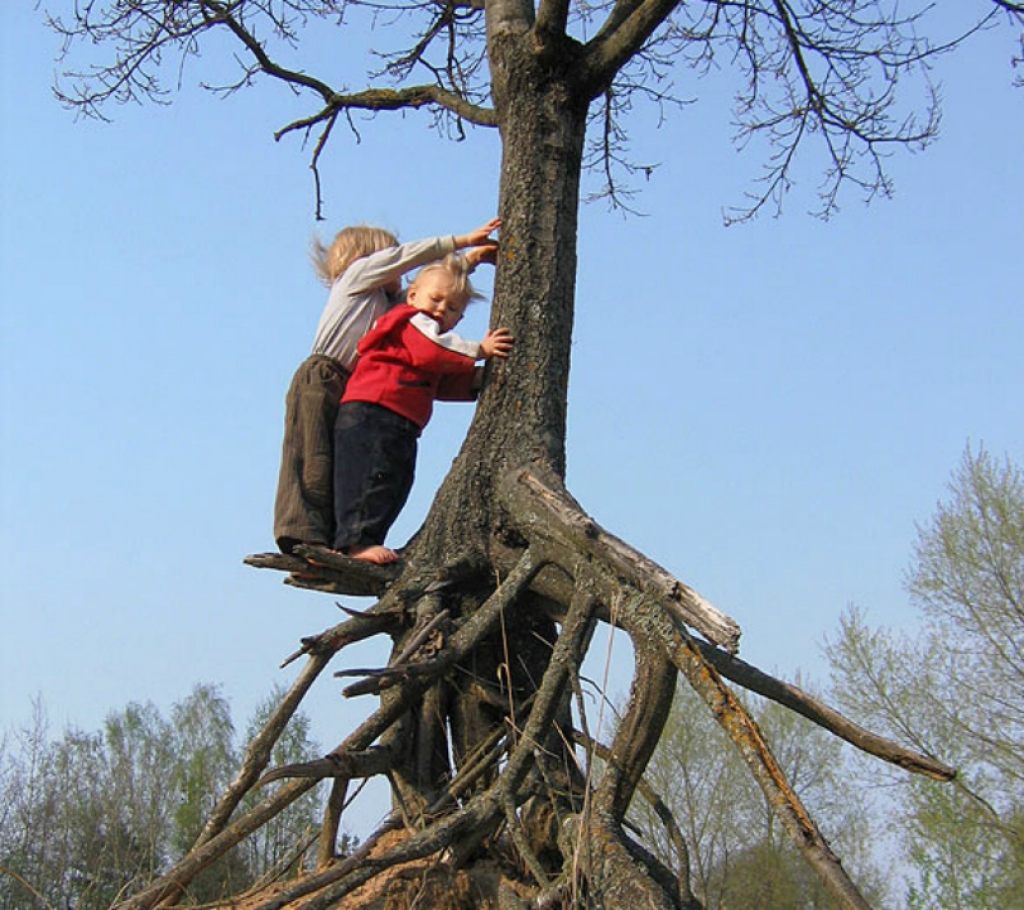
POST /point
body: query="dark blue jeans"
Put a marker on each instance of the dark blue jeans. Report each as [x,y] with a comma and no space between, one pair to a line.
[374,466]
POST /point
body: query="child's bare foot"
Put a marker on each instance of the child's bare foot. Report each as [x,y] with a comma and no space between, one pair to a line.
[373,553]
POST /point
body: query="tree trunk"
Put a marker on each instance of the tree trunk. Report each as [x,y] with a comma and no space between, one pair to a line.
[519,421]
[521,417]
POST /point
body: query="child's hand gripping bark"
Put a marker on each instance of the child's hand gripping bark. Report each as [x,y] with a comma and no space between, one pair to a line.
[481,246]
[496,343]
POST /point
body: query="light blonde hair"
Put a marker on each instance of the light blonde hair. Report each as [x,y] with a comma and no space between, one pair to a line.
[457,267]
[349,244]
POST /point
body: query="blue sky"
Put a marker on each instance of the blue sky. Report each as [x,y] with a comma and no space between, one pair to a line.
[765,409]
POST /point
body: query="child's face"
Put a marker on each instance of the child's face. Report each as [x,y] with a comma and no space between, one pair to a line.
[434,293]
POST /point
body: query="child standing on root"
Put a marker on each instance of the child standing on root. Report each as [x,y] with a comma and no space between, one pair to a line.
[363,267]
[410,358]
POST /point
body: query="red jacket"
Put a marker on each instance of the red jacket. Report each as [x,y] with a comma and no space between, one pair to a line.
[406,362]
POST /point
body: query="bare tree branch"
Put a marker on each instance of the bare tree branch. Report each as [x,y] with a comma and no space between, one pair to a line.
[552,18]
[806,705]
[613,46]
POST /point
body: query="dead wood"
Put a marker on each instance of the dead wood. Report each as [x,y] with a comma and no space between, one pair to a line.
[650,615]
[257,754]
[796,699]
[665,816]
[547,514]
[515,783]
[742,730]
[320,569]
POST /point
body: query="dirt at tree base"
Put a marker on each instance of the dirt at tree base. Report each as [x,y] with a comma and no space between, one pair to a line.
[423,884]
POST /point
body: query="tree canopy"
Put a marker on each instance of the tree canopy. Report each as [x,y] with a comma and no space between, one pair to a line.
[89,817]
[956,689]
[851,77]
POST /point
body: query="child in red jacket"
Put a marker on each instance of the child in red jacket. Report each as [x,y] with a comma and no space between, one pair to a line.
[363,267]
[407,360]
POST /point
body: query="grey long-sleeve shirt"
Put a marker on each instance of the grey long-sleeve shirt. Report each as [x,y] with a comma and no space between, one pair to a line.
[357,299]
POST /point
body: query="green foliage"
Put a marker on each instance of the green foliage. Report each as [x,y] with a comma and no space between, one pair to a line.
[969,583]
[202,737]
[84,824]
[276,843]
[955,691]
[740,856]
[771,876]
[89,818]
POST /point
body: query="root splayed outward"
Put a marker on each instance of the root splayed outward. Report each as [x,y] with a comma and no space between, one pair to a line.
[503,796]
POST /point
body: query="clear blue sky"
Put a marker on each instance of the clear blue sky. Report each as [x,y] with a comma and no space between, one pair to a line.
[765,409]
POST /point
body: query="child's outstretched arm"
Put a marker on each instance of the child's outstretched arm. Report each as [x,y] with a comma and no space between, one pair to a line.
[386,266]
[481,236]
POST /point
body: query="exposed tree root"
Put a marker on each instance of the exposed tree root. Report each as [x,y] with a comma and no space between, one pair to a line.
[475,730]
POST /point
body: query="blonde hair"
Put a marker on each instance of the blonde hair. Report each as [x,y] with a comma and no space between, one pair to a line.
[349,244]
[457,267]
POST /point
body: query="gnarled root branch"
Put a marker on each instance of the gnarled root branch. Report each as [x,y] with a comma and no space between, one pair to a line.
[475,732]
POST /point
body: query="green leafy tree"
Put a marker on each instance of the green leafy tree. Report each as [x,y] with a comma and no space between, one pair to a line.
[738,854]
[110,845]
[138,752]
[955,690]
[204,743]
[205,759]
[284,841]
[89,818]
[28,838]
[88,815]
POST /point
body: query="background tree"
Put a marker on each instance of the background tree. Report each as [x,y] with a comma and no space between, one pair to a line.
[956,690]
[203,737]
[496,603]
[281,845]
[30,814]
[90,817]
[737,850]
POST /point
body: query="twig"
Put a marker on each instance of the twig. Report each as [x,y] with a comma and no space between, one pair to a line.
[21,880]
